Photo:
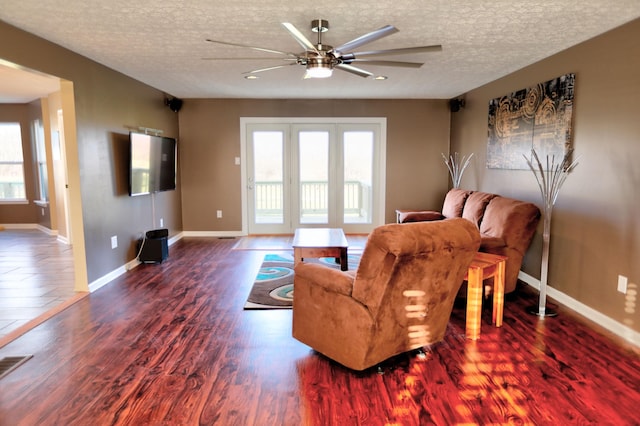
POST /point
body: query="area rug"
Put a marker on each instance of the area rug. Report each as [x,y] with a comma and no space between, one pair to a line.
[273,287]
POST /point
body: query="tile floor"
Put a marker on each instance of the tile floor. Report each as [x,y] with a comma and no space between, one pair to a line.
[36,275]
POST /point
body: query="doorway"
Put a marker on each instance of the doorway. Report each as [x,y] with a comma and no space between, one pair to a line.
[313,173]
[58,95]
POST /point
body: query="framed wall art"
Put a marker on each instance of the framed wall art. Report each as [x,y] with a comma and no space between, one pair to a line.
[539,117]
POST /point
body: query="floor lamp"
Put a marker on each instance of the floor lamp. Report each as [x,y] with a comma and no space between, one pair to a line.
[550,181]
[456,167]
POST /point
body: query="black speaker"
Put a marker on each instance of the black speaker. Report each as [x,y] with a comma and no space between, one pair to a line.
[174,104]
[154,248]
[456,104]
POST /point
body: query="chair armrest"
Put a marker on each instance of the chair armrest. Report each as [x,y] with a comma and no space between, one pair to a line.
[419,216]
[330,279]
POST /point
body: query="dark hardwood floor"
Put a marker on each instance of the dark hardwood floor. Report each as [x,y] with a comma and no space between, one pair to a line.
[170,344]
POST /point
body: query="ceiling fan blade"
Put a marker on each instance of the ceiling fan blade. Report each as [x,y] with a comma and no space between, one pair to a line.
[257,58]
[354,70]
[300,38]
[388,52]
[260,49]
[367,38]
[387,63]
[267,69]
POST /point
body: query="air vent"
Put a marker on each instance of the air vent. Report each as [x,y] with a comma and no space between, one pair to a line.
[10,363]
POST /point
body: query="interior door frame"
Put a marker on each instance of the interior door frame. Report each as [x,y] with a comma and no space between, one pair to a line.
[378,214]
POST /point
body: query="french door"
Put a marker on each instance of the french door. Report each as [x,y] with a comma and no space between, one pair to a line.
[313,173]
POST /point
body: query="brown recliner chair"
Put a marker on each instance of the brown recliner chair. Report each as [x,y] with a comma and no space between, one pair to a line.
[399,299]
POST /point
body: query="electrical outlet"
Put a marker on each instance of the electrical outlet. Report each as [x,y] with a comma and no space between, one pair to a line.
[622,284]
[219,214]
[114,241]
[161,222]
[237,161]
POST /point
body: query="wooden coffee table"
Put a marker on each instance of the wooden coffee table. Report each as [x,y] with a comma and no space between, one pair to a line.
[320,242]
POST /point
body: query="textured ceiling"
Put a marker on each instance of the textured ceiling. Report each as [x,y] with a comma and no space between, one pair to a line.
[19,86]
[162,42]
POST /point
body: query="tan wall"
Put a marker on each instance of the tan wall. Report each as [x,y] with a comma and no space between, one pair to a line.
[417,132]
[106,104]
[595,233]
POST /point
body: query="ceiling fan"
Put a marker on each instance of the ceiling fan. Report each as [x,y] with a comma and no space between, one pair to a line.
[320,59]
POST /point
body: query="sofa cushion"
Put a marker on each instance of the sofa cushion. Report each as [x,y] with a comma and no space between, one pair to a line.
[425,216]
[476,205]
[454,203]
[512,220]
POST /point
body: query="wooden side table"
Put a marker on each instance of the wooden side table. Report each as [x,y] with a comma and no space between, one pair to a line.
[483,266]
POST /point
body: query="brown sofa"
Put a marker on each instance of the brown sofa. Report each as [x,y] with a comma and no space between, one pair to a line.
[399,299]
[506,226]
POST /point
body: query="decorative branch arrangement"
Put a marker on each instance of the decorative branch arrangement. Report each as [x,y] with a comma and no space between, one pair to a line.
[456,166]
[550,181]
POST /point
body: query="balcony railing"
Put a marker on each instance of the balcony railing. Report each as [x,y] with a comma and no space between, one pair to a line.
[313,198]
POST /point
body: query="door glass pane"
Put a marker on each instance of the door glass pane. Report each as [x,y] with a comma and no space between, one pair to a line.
[313,148]
[268,174]
[358,176]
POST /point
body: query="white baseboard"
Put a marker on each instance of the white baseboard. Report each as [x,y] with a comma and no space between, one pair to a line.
[19,225]
[175,239]
[105,279]
[47,231]
[25,226]
[610,324]
[37,226]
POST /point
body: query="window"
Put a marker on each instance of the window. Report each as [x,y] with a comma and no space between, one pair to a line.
[41,160]
[11,163]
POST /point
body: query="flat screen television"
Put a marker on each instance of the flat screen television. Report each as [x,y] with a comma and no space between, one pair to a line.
[152,164]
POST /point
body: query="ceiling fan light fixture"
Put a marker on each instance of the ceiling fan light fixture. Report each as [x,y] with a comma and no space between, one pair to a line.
[319,67]
[318,71]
